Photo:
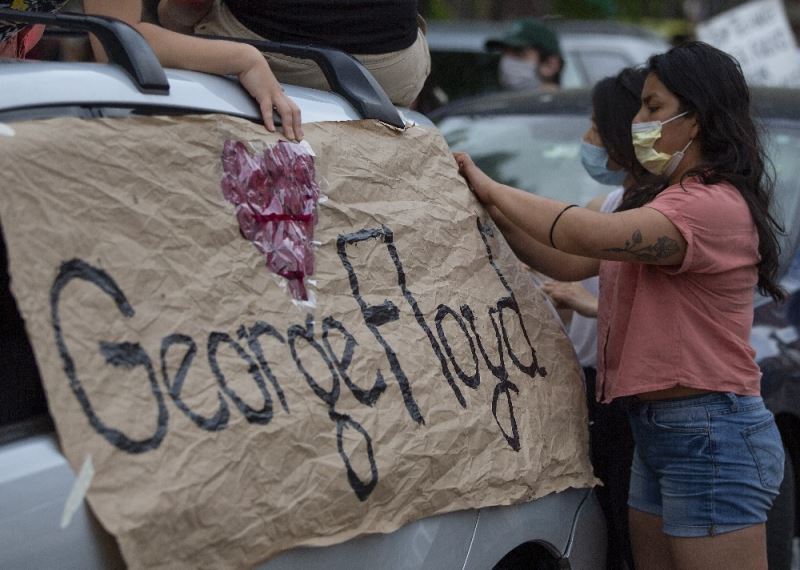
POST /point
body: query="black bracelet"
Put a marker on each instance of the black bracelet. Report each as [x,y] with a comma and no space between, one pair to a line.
[555,221]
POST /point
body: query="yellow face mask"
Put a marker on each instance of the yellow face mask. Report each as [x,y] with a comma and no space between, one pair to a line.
[645,136]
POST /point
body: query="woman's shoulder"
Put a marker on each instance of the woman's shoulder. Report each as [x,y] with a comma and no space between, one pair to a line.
[718,207]
[722,197]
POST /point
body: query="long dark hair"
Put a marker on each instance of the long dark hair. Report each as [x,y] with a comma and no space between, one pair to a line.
[709,84]
[615,101]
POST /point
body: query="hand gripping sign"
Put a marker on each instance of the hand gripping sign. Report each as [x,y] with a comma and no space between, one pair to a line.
[228,422]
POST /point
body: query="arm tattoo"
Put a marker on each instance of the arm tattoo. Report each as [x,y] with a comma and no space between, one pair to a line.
[663,247]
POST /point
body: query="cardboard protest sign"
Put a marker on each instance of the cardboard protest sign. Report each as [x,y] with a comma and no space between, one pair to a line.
[758,35]
[228,420]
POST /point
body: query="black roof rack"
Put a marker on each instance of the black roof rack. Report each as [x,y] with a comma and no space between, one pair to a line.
[345,74]
[126,48]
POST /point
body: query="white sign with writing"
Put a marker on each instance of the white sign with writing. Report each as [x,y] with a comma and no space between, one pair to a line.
[758,35]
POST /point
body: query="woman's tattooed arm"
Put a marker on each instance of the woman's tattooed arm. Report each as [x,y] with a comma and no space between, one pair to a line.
[663,248]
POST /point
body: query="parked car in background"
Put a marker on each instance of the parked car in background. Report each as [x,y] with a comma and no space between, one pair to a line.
[559,530]
[462,67]
[532,141]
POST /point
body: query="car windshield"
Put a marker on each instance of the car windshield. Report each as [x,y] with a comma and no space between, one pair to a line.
[538,153]
[541,154]
[783,148]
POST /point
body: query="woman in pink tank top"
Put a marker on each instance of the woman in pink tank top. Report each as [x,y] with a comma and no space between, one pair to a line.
[678,265]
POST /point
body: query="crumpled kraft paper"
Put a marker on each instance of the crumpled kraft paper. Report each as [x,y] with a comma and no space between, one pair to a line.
[227,423]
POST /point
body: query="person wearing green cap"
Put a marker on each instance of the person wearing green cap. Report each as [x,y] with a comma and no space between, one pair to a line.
[531,56]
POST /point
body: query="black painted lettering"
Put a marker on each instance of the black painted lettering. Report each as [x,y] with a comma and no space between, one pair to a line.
[262,416]
[252,335]
[342,363]
[510,303]
[418,316]
[126,355]
[499,371]
[504,386]
[361,489]
[470,380]
[174,387]
[387,310]
[330,397]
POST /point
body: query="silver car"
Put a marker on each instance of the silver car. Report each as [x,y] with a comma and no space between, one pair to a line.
[559,530]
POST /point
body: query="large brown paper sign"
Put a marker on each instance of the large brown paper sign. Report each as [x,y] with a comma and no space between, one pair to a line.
[228,422]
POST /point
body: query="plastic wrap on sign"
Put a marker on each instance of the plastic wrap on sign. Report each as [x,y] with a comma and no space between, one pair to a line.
[275,196]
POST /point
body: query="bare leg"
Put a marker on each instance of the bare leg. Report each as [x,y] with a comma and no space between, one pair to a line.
[746,548]
[651,547]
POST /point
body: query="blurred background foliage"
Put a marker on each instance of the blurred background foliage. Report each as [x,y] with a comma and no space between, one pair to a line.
[672,19]
[669,18]
[580,9]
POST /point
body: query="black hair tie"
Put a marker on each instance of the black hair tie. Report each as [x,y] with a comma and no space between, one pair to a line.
[555,221]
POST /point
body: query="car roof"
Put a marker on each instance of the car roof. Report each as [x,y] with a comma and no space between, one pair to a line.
[768,102]
[471,35]
[566,102]
[135,78]
[28,85]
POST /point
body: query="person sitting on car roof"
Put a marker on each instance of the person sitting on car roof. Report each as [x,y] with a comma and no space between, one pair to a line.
[386,36]
[173,50]
[531,56]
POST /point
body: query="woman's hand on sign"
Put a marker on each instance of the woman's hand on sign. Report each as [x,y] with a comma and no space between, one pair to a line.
[572,296]
[480,184]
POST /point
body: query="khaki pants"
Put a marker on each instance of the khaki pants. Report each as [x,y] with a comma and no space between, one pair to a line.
[401,73]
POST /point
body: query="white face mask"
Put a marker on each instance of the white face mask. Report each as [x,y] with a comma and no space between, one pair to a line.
[517,73]
[645,136]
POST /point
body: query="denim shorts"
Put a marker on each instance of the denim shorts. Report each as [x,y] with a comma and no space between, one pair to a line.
[706,464]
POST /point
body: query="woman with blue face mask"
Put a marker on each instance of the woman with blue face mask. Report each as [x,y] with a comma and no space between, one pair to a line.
[678,263]
[596,162]
[607,156]
[607,152]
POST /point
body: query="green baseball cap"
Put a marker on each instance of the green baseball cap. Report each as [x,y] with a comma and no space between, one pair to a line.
[527,33]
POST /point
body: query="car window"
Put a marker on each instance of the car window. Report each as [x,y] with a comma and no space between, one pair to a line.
[22,398]
[573,74]
[783,148]
[600,64]
[540,154]
[462,74]
[21,393]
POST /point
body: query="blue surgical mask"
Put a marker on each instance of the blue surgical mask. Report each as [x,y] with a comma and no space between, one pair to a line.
[595,161]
